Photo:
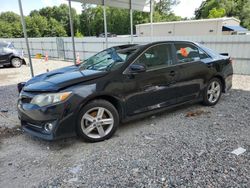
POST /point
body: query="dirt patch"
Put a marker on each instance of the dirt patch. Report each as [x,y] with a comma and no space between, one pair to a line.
[6,77]
[197,113]
[6,132]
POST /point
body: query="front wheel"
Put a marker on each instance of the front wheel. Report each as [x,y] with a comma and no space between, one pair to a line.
[212,92]
[97,121]
[16,62]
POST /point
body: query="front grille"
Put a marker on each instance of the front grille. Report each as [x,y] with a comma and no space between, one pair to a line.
[34,126]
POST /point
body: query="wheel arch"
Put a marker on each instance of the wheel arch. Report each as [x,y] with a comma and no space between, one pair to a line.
[222,81]
[14,56]
[113,100]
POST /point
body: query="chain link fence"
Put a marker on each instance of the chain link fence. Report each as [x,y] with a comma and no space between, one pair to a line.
[61,47]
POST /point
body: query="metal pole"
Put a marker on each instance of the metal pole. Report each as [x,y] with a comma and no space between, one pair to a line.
[105,24]
[131,23]
[26,37]
[72,32]
[151,19]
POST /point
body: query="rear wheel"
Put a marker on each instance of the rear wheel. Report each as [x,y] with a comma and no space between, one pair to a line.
[97,121]
[16,62]
[212,92]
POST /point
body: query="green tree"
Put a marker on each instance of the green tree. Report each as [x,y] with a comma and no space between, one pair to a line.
[10,26]
[236,8]
[54,21]
[34,13]
[91,20]
[5,30]
[245,15]
[217,13]
[9,17]
[164,6]
[61,14]
[55,29]
[37,26]
[118,20]
[115,24]
[17,30]
[79,34]
[32,28]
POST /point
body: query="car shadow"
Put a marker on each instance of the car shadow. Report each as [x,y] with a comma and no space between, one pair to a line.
[8,117]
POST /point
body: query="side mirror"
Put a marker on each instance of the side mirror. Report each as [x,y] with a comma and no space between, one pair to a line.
[137,68]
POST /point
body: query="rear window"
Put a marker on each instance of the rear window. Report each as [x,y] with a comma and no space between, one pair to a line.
[209,51]
[203,54]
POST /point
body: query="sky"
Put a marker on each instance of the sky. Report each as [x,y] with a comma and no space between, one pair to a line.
[186,8]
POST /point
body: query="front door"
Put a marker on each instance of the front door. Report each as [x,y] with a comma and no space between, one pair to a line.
[154,88]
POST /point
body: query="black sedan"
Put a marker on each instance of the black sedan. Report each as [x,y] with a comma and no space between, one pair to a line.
[10,56]
[120,84]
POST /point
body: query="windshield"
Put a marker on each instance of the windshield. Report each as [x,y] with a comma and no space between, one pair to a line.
[11,46]
[109,59]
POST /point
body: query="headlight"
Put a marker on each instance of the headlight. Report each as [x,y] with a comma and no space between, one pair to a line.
[50,98]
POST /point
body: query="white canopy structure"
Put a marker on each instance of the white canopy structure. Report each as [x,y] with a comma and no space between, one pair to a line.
[138,5]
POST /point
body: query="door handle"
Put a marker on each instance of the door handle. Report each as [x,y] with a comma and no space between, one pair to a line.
[172,73]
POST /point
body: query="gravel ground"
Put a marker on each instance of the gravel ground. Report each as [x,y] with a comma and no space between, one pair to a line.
[185,147]
[10,77]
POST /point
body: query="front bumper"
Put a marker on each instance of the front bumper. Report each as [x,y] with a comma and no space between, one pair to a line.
[34,119]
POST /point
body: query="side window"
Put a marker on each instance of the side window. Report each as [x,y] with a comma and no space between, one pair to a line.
[186,53]
[159,56]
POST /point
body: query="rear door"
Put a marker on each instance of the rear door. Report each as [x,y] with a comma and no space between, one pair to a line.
[193,71]
[154,88]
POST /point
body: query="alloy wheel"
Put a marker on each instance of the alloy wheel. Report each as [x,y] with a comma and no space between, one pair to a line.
[97,122]
[16,62]
[213,92]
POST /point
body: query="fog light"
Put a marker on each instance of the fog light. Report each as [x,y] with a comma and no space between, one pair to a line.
[48,127]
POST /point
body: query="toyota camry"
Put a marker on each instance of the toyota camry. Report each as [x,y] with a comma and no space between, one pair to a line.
[120,84]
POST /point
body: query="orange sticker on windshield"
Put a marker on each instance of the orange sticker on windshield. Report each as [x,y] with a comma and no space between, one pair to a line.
[184,52]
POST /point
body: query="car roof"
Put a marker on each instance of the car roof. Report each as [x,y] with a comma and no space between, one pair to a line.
[124,46]
[171,41]
[129,47]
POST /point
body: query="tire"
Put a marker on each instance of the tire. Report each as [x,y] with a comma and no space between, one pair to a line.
[97,121]
[16,62]
[212,92]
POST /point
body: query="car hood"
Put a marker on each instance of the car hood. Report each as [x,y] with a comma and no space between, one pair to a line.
[61,78]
